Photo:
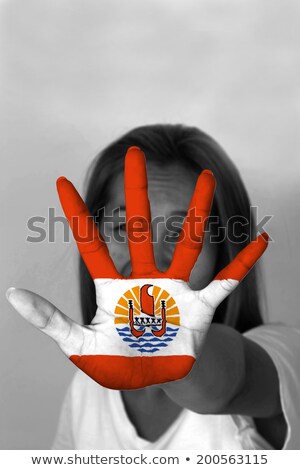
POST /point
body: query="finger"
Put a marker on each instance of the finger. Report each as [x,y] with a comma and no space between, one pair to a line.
[46,317]
[138,214]
[229,277]
[190,242]
[91,245]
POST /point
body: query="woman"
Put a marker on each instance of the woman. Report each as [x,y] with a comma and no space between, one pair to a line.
[218,386]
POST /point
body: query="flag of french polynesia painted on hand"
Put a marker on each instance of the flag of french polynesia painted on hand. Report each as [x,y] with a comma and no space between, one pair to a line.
[149,328]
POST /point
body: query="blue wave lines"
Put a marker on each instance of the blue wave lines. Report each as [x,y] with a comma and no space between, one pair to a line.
[148,343]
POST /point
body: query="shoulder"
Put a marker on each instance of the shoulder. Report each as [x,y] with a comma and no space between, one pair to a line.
[282,343]
[278,339]
[278,333]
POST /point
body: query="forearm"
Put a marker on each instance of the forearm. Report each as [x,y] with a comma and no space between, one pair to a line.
[232,375]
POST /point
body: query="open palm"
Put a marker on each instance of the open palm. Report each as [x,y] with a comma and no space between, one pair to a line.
[150,327]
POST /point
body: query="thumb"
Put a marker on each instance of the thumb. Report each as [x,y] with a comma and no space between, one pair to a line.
[46,317]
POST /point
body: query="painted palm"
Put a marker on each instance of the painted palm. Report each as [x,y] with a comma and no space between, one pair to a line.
[150,327]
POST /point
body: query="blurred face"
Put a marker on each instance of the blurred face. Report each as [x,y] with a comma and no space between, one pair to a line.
[170,190]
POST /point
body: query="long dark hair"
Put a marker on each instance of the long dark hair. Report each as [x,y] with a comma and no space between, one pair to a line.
[188,146]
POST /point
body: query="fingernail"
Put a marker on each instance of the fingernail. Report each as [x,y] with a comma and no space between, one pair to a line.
[134,147]
[208,172]
[265,235]
[9,291]
[61,179]
[135,150]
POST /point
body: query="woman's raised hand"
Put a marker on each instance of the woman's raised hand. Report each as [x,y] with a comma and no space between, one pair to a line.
[150,327]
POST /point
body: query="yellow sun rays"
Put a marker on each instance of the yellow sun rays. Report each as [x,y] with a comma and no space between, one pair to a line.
[121,310]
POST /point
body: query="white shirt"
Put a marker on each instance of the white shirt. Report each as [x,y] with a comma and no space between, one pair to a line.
[94,417]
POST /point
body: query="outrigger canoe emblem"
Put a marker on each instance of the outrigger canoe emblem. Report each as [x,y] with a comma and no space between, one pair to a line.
[147,318]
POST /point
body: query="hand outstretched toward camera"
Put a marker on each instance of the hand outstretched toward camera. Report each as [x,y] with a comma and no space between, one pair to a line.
[149,328]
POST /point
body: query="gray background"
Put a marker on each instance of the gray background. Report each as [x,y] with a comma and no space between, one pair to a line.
[75,74]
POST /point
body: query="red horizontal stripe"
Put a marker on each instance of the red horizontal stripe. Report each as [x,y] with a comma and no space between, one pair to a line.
[125,373]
